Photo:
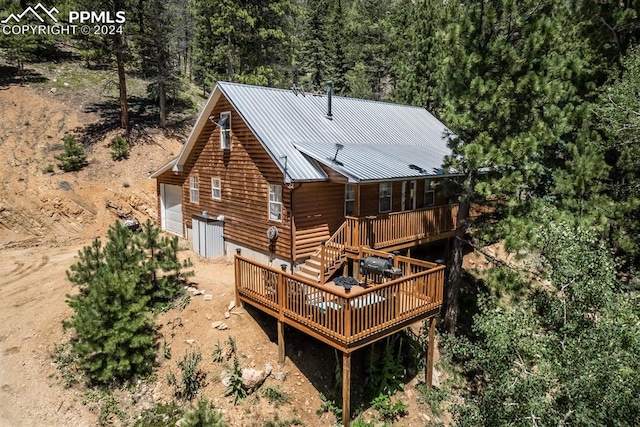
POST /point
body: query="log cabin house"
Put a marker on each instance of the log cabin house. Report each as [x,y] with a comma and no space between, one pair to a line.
[303,188]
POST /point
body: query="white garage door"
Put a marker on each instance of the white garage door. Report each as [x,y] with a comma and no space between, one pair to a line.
[171,197]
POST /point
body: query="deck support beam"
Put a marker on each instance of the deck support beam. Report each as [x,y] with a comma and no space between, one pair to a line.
[281,352]
[346,389]
[428,377]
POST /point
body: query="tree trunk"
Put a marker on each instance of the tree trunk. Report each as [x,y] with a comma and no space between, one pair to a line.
[457,253]
[162,98]
[122,81]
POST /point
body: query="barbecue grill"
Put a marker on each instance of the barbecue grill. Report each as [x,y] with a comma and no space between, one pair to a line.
[379,266]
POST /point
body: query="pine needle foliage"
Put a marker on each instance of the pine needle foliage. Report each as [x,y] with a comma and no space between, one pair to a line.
[121,284]
[119,148]
[73,158]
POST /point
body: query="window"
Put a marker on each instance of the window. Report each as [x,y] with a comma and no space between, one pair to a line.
[193,189]
[384,191]
[275,202]
[216,189]
[429,193]
[225,130]
[349,199]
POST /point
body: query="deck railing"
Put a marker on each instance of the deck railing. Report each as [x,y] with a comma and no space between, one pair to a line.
[399,227]
[331,251]
[337,317]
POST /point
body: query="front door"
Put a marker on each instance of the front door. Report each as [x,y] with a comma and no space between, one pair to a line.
[408,195]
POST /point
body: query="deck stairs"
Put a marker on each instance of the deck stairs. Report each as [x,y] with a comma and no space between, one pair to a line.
[330,257]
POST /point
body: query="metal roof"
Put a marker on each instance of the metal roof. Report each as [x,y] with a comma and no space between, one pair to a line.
[380,140]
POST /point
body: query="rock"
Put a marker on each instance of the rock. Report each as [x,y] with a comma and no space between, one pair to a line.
[190,341]
[436,378]
[252,379]
[227,314]
[280,376]
[208,316]
[232,304]
[216,324]
[198,292]
[208,297]
[223,326]
[66,84]
[53,90]
[225,378]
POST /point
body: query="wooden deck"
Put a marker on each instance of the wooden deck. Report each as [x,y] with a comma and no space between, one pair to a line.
[346,320]
[401,229]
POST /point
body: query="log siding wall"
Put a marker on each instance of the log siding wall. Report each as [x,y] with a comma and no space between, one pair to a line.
[245,173]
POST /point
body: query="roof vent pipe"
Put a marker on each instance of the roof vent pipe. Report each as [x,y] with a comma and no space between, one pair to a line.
[329,90]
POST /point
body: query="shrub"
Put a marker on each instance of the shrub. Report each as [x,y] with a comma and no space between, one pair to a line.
[192,377]
[275,396]
[119,148]
[204,414]
[73,158]
[235,387]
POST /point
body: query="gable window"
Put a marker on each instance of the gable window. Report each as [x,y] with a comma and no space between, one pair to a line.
[275,202]
[349,199]
[194,193]
[384,197]
[429,193]
[225,130]
[216,188]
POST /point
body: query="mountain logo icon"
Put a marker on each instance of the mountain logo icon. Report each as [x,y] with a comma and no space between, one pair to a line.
[33,11]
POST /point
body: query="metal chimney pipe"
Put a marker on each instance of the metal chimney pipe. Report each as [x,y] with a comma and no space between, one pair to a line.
[329,93]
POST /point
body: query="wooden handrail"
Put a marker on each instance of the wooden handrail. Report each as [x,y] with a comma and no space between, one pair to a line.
[331,251]
[337,318]
[399,227]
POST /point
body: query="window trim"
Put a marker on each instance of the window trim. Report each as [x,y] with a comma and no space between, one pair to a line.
[390,196]
[276,202]
[225,141]
[194,189]
[346,200]
[429,188]
[219,188]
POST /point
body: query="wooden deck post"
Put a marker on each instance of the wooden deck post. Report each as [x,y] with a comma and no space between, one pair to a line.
[281,297]
[236,268]
[430,352]
[323,247]
[346,389]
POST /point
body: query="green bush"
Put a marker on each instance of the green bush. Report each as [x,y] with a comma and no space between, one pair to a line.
[73,158]
[235,387]
[120,286]
[119,148]
[192,377]
[203,415]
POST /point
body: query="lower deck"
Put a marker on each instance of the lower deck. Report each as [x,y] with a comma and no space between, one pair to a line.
[347,319]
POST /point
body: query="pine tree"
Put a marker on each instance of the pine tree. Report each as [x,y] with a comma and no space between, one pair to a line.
[247,42]
[509,96]
[73,158]
[121,284]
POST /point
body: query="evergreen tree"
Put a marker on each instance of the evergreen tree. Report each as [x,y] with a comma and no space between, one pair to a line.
[243,41]
[369,48]
[73,158]
[120,285]
[157,42]
[314,57]
[509,96]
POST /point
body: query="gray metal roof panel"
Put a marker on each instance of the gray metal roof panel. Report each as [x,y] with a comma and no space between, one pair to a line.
[381,139]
